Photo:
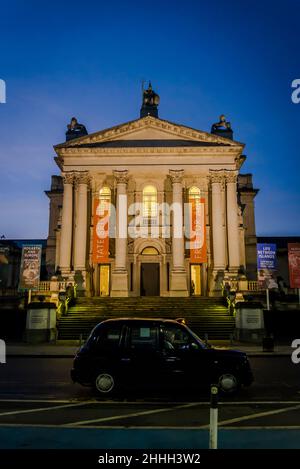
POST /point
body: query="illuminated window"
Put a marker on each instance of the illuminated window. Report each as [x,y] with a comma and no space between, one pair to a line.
[104,200]
[149,202]
[195,279]
[194,193]
[104,280]
[150,251]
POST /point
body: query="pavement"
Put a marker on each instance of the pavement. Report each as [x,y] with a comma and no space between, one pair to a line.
[69,348]
[91,438]
[94,424]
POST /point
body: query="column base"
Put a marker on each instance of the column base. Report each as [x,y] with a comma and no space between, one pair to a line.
[178,283]
[65,272]
[119,284]
[233,271]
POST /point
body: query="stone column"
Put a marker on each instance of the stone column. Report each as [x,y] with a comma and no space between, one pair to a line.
[119,285]
[232,222]
[219,251]
[82,181]
[66,225]
[178,275]
[218,232]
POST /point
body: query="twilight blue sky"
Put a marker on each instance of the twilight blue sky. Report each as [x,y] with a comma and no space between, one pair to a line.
[87,58]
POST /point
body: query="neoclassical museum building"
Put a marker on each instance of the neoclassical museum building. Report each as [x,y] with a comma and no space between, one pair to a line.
[151,208]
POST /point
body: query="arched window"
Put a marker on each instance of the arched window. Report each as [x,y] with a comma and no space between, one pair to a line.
[150,251]
[194,193]
[150,202]
[104,200]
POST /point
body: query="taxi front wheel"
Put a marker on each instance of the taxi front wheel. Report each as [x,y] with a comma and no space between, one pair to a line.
[105,383]
[228,383]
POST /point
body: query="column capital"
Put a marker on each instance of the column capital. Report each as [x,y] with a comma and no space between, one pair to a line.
[231,176]
[121,176]
[68,177]
[216,176]
[176,175]
[82,177]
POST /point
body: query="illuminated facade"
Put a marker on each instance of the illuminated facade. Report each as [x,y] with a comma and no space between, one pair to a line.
[155,165]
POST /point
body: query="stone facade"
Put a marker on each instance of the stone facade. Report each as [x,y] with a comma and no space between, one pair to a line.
[171,159]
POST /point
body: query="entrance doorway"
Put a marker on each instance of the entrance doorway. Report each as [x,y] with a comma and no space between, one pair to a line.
[150,279]
[104,280]
[195,279]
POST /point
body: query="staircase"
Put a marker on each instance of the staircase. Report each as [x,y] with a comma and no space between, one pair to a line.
[203,315]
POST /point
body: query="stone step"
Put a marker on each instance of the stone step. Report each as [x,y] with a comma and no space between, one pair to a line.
[204,315]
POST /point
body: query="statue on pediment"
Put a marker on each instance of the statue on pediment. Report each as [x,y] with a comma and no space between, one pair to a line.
[150,102]
[75,130]
[222,124]
[222,128]
[150,98]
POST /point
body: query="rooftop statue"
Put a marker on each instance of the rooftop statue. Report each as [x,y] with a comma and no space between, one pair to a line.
[75,130]
[149,97]
[150,102]
[222,128]
[222,124]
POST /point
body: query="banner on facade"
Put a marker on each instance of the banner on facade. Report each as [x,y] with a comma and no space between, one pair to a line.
[266,265]
[30,267]
[4,255]
[294,264]
[101,231]
[198,253]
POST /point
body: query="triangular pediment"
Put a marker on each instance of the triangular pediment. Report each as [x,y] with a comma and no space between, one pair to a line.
[148,129]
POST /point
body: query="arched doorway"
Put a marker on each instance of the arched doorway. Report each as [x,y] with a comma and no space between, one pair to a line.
[150,272]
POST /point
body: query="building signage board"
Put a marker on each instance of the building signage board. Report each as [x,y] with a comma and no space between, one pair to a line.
[266,265]
[37,319]
[198,253]
[101,231]
[30,267]
[294,264]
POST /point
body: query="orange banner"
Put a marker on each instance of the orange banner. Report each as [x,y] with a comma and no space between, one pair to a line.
[100,231]
[294,264]
[198,253]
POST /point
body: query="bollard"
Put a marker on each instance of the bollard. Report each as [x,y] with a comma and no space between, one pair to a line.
[213,423]
[268,299]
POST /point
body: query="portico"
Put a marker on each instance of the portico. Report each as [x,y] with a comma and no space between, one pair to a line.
[142,183]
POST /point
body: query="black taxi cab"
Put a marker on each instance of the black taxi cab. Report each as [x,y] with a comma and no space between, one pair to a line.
[131,353]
